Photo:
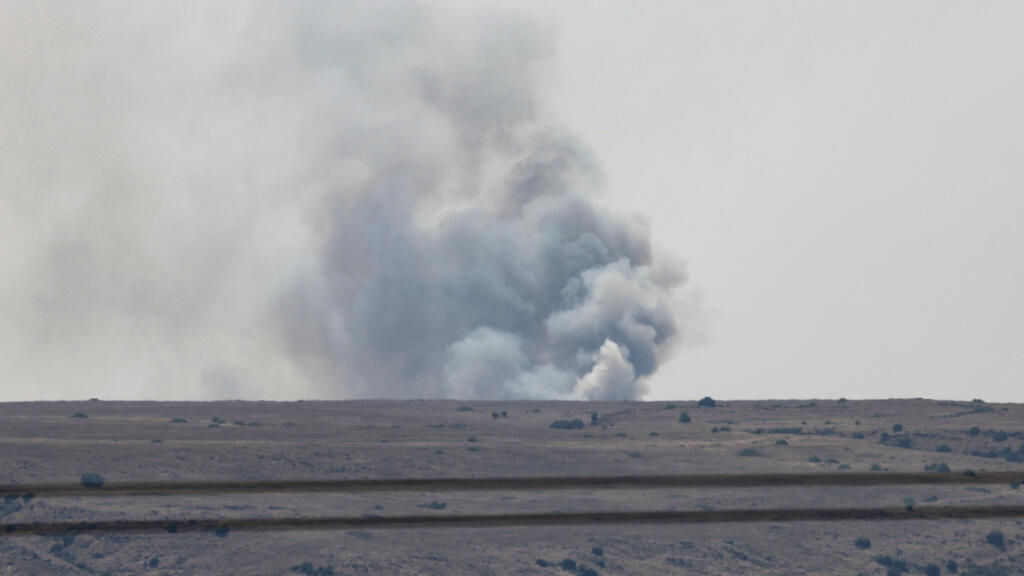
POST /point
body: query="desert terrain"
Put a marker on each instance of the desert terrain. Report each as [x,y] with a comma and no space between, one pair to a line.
[120,442]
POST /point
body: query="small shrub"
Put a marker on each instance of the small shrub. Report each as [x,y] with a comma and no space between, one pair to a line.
[782,442]
[79,415]
[951,566]
[597,551]
[654,434]
[996,539]
[471,439]
[465,409]
[575,424]
[897,428]
[434,505]
[684,418]
[999,435]
[620,435]
[92,480]
[937,467]
[593,419]
[221,531]
[568,565]
[842,400]
[843,467]
[974,431]
[862,543]
[943,448]
[876,467]
[932,570]
[814,459]
[857,435]
[707,402]
[178,421]
[909,503]
[670,406]
[751,452]
[895,566]
[635,455]
[831,461]
[543,563]
[473,448]
[252,424]
[153,562]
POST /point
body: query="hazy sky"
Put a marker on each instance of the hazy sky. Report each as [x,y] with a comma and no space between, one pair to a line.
[183,194]
[843,179]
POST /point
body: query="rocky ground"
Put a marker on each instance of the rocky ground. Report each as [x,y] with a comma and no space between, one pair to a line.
[142,441]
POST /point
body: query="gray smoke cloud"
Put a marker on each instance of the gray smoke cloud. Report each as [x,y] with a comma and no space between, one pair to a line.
[284,200]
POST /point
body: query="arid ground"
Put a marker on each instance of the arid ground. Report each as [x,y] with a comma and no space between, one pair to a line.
[46,443]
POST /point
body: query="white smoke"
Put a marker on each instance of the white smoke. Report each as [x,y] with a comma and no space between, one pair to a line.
[284,200]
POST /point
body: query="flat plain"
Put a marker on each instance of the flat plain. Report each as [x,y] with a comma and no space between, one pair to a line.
[60,442]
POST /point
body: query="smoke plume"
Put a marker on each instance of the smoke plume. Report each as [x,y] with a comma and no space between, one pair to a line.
[284,200]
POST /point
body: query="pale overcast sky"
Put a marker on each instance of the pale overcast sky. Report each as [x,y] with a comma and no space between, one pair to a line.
[333,200]
[845,181]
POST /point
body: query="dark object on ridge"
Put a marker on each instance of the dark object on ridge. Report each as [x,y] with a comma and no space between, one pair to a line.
[707,402]
[92,480]
[575,424]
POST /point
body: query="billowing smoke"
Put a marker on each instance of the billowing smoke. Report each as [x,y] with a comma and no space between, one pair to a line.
[287,200]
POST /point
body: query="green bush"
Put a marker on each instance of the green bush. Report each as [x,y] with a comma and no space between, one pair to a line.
[79,415]
[751,452]
[943,448]
[862,543]
[178,421]
[684,418]
[707,402]
[782,442]
[996,539]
